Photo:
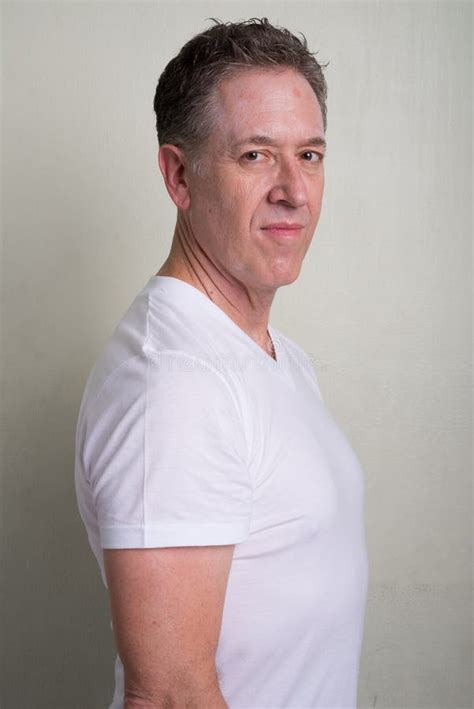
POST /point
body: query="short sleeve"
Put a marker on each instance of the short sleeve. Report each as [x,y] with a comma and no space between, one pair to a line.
[167,456]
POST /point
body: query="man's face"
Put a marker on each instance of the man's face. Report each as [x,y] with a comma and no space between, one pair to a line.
[255,207]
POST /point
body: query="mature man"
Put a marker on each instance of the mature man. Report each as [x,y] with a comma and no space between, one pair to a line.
[223,503]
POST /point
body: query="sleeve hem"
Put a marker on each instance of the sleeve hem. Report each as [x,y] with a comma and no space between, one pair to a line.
[173,535]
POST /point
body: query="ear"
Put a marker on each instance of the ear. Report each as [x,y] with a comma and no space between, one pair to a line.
[173,168]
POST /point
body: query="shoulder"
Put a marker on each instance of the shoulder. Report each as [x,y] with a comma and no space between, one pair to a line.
[185,378]
[158,381]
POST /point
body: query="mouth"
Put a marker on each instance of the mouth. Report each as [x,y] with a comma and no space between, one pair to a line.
[287,231]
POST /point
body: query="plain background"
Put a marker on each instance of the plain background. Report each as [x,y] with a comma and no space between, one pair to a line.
[382,306]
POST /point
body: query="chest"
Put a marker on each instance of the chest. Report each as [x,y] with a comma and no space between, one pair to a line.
[306,549]
[303,465]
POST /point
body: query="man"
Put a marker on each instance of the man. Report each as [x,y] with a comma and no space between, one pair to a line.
[223,504]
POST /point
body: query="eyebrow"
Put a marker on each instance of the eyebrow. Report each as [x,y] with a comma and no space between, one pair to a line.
[316,141]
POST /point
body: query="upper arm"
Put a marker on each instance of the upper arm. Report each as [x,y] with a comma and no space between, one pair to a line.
[166,457]
[167,606]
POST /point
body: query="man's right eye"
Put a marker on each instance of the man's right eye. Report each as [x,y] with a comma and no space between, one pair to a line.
[252,155]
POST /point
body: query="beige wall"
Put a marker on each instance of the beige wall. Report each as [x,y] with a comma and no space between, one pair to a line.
[382,305]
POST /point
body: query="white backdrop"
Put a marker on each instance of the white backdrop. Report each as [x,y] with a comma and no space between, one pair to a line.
[382,305]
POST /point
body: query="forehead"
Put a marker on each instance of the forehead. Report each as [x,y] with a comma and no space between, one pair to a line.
[279,103]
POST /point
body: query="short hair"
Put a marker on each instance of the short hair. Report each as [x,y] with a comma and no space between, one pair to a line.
[184,101]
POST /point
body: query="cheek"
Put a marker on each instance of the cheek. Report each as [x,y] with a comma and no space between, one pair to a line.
[237,201]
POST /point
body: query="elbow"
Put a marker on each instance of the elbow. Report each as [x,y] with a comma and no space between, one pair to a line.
[193,693]
[134,699]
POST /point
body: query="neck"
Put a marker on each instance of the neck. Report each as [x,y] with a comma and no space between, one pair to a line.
[248,308]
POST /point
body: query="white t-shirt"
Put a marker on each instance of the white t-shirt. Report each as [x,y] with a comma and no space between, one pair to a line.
[190,434]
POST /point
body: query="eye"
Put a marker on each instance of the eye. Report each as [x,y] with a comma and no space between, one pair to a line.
[251,155]
[312,156]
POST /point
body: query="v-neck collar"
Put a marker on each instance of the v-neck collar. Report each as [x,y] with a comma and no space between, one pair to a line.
[172,284]
[280,367]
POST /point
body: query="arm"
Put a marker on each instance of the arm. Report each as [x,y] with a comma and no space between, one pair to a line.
[166,606]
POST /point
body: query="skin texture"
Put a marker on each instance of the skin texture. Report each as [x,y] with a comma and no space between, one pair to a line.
[220,244]
[167,608]
[167,603]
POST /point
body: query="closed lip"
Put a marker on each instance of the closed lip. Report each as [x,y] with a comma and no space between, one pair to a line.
[284,226]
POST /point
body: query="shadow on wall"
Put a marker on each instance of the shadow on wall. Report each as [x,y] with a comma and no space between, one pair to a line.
[57,640]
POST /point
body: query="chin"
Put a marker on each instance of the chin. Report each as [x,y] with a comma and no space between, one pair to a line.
[286,276]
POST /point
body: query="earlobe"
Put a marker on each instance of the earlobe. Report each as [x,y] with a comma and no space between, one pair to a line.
[173,168]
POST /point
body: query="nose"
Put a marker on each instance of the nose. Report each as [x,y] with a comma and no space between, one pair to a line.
[289,186]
